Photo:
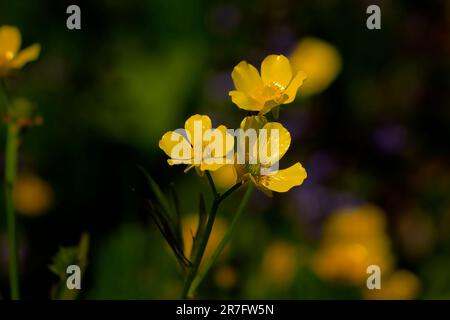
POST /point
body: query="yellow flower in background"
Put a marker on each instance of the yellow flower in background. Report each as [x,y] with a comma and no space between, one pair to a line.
[278,180]
[352,240]
[190,224]
[280,262]
[276,85]
[189,146]
[32,195]
[364,223]
[320,61]
[10,56]
[225,277]
[400,285]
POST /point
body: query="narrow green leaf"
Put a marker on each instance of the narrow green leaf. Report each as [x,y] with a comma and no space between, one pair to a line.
[176,208]
[157,191]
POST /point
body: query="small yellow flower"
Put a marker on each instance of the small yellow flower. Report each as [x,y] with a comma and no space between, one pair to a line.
[321,62]
[276,85]
[10,56]
[189,146]
[278,180]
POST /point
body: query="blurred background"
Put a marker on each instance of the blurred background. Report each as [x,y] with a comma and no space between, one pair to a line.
[371,126]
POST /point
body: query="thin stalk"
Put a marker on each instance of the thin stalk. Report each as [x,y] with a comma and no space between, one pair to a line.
[199,253]
[204,240]
[212,184]
[12,144]
[209,263]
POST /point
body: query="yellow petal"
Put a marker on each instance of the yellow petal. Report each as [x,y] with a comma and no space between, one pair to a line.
[228,145]
[284,180]
[199,121]
[217,143]
[226,176]
[276,70]
[246,78]
[10,40]
[172,142]
[29,54]
[243,101]
[253,122]
[179,161]
[211,166]
[296,82]
[277,138]
[269,105]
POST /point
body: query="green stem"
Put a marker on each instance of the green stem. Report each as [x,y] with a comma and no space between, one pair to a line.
[199,253]
[197,259]
[201,275]
[212,184]
[12,145]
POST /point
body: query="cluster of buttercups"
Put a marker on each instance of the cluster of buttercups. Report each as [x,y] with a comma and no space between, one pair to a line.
[256,92]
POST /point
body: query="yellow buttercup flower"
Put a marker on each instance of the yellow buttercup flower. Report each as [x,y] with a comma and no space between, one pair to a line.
[10,56]
[276,85]
[321,62]
[190,145]
[259,173]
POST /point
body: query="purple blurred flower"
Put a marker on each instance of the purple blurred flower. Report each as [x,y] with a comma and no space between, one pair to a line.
[224,18]
[320,165]
[296,122]
[4,253]
[315,202]
[391,138]
[218,86]
[281,40]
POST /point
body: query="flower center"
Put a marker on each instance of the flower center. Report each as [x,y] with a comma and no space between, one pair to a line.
[274,91]
[263,180]
[254,169]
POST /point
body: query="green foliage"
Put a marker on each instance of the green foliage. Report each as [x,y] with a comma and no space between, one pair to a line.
[66,256]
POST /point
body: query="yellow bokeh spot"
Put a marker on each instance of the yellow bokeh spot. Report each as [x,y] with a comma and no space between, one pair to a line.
[319,60]
[353,239]
[400,285]
[32,195]
[190,223]
[280,262]
[363,222]
[225,277]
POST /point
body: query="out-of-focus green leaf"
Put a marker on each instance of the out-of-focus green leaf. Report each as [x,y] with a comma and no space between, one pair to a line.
[65,257]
